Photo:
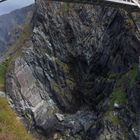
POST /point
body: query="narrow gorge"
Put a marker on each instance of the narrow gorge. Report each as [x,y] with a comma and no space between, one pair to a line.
[76,75]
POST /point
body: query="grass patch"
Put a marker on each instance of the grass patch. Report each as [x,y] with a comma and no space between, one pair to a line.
[22,42]
[118,96]
[10,127]
[3,70]
[133,74]
[66,7]
[113,118]
[16,49]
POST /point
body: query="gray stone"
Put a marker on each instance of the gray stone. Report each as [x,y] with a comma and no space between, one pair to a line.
[65,79]
[60,117]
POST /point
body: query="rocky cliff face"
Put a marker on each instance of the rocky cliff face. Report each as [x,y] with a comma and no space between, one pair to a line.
[78,77]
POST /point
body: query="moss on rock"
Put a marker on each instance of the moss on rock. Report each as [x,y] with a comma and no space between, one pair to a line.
[118,96]
[3,69]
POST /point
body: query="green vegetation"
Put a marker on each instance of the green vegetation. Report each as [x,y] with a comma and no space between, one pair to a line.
[126,135]
[57,88]
[10,126]
[131,23]
[64,66]
[118,96]
[16,49]
[3,69]
[66,7]
[133,74]
[113,118]
[70,83]
[22,42]
[27,31]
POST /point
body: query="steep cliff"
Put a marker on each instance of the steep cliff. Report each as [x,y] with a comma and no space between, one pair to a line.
[11,125]
[78,77]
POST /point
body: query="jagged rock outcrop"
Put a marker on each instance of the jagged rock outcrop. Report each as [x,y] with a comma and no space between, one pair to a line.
[82,62]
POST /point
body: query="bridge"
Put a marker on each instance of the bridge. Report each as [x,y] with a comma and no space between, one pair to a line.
[130,5]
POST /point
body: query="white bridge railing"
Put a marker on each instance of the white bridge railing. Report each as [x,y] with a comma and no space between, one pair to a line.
[127,2]
[137,2]
[134,3]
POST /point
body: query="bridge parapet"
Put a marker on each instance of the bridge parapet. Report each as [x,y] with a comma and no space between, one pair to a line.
[133,5]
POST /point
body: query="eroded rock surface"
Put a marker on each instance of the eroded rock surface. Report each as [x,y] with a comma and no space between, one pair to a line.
[82,60]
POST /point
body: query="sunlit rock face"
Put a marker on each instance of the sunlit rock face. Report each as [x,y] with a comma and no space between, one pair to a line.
[81,62]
